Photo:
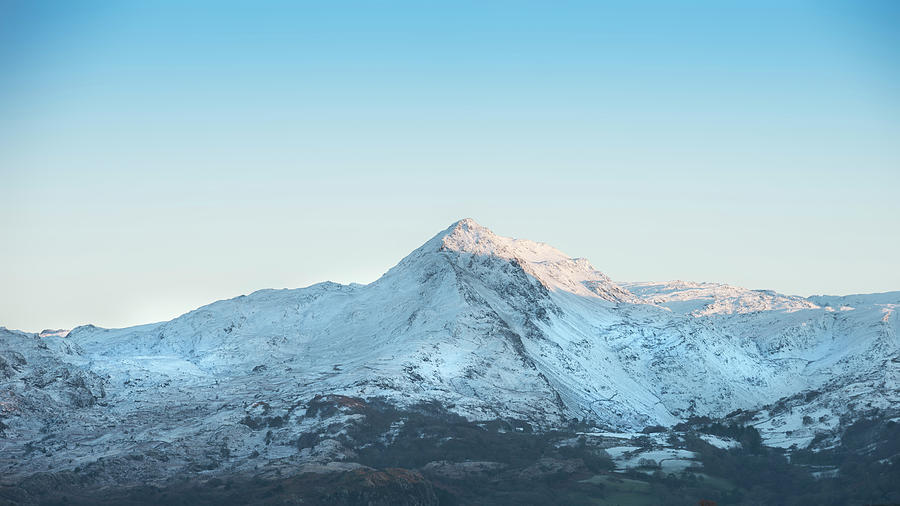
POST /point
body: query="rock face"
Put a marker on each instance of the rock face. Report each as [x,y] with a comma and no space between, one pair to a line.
[486,326]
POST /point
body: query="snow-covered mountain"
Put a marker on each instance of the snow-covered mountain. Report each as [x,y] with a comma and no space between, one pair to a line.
[705,299]
[490,327]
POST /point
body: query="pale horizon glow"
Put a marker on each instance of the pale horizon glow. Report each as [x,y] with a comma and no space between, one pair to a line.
[156,157]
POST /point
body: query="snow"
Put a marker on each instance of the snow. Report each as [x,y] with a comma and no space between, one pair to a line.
[725,443]
[553,268]
[668,460]
[705,299]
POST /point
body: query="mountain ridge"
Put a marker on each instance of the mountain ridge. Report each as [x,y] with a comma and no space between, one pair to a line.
[487,326]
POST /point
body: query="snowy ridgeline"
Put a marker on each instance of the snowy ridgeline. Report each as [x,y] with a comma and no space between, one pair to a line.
[490,327]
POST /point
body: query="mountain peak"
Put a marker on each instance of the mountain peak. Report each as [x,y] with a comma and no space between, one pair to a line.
[467,236]
[469,229]
[553,268]
[466,224]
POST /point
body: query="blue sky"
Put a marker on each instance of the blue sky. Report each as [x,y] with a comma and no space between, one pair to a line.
[155,157]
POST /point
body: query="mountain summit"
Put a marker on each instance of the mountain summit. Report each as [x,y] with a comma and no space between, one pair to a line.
[488,327]
[553,268]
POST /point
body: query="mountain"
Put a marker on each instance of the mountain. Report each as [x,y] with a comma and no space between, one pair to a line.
[487,327]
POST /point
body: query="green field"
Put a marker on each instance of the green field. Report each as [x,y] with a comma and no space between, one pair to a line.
[622,491]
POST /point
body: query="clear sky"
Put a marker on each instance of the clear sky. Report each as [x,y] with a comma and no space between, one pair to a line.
[155,157]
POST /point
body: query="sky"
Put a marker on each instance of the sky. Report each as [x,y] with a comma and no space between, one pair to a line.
[156,156]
